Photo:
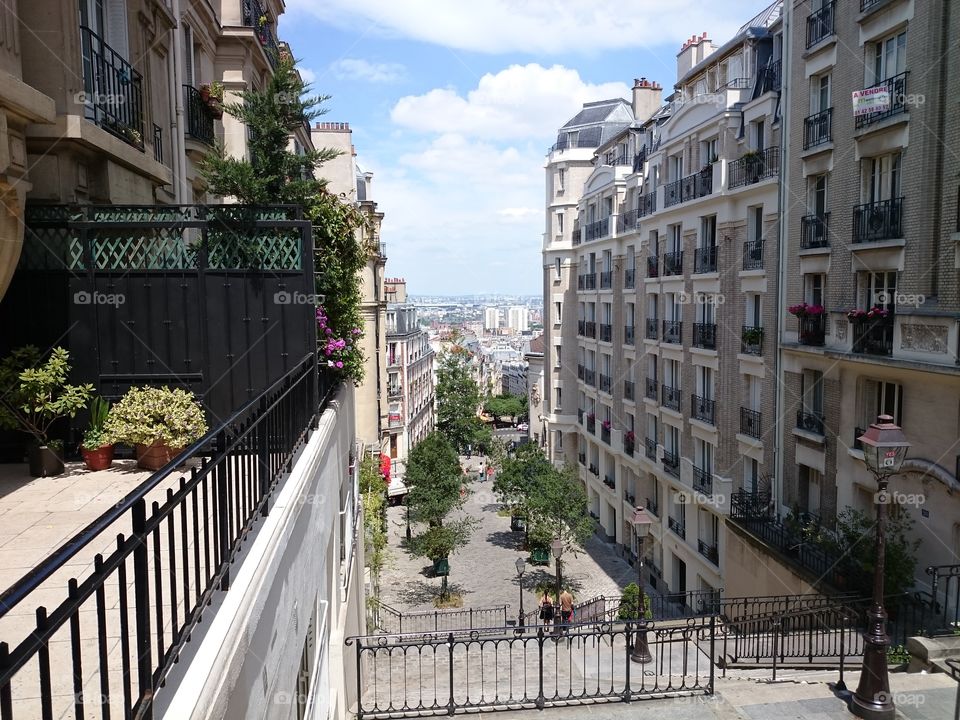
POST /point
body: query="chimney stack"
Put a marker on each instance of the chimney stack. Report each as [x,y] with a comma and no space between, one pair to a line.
[647,98]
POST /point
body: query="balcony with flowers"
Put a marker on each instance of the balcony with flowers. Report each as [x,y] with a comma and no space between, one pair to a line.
[872,330]
[812,323]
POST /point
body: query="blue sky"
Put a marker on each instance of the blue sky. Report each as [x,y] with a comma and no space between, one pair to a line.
[454,104]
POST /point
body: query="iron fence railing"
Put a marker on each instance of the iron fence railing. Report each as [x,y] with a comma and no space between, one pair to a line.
[750,422]
[651,388]
[606,332]
[673,263]
[896,88]
[753,255]
[651,328]
[881,220]
[606,279]
[820,23]
[751,340]
[112,89]
[650,448]
[628,220]
[705,335]
[628,390]
[647,204]
[703,480]
[628,335]
[873,337]
[605,382]
[709,550]
[673,331]
[691,187]
[810,421]
[670,397]
[199,118]
[629,278]
[671,463]
[391,620]
[818,129]
[705,259]
[677,527]
[754,167]
[653,269]
[814,231]
[703,408]
[605,433]
[597,229]
[587,281]
[812,330]
[154,582]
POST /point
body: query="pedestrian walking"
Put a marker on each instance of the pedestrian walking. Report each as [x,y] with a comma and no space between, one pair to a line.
[566,609]
[546,608]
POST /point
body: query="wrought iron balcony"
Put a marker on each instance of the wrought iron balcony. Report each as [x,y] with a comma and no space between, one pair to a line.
[677,527]
[651,388]
[252,12]
[594,470]
[650,449]
[596,229]
[814,231]
[582,457]
[587,281]
[705,259]
[873,336]
[112,90]
[818,129]
[652,506]
[395,390]
[709,551]
[673,263]
[896,88]
[703,409]
[769,78]
[580,370]
[589,329]
[605,383]
[753,255]
[606,332]
[651,328]
[672,330]
[199,116]
[705,335]
[751,340]
[590,377]
[157,143]
[820,24]
[628,446]
[628,390]
[647,204]
[628,335]
[629,497]
[628,220]
[670,397]
[629,278]
[750,422]
[702,480]
[857,432]
[810,421]
[754,167]
[882,220]
[653,269]
[580,415]
[591,424]
[691,187]
[867,4]
[605,434]
[606,279]
[610,482]
[812,330]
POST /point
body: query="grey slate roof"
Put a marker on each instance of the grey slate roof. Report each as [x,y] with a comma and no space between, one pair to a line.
[598,121]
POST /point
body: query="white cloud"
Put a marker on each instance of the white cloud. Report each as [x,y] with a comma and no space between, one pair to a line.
[522,101]
[306,74]
[535,26]
[374,72]
[518,214]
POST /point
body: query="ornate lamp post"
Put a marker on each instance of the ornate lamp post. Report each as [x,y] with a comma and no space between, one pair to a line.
[556,547]
[641,526]
[521,566]
[884,449]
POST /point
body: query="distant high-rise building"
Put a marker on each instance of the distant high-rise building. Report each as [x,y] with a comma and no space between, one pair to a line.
[491,318]
[518,319]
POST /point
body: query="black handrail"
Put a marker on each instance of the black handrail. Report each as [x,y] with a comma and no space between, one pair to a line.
[113,89]
[199,116]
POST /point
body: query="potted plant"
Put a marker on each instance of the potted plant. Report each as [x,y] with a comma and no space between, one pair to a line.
[752,336]
[605,424]
[214,99]
[97,447]
[33,396]
[204,91]
[158,422]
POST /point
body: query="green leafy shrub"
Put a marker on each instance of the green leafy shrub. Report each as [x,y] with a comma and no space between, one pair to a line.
[95,436]
[630,604]
[147,415]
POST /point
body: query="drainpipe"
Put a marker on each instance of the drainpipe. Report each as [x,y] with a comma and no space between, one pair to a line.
[179,155]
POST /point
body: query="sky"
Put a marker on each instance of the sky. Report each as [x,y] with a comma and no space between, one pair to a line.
[454,104]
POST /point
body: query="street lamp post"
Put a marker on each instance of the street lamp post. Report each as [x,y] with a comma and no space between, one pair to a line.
[406,497]
[557,548]
[884,449]
[521,566]
[641,526]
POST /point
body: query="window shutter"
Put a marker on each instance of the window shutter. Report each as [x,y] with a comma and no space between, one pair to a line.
[871,402]
[188,55]
[116,31]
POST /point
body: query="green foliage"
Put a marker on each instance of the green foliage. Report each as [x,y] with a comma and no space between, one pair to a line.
[95,437]
[441,541]
[374,494]
[502,406]
[434,480]
[630,604]
[34,393]
[148,414]
[458,398]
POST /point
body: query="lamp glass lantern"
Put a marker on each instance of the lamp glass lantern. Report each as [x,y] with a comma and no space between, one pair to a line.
[556,547]
[521,565]
[884,446]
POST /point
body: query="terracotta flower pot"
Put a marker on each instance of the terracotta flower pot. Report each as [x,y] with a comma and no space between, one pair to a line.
[45,461]
[99,459]
[155,455]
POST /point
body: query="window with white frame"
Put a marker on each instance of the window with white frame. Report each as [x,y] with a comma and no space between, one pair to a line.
[881,178]
[879,397]
[887,57]
[819,93]
[877,289]
[751,475]
[811,392]
[703,452]
[813,288]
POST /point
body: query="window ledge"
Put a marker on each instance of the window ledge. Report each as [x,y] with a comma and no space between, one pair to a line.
[809,436]
[820,46]
[823,147]
[825,250]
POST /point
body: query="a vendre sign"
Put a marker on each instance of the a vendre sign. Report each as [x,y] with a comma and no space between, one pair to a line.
[871,100]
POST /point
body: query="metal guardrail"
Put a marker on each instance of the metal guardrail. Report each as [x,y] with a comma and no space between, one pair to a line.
[391,620]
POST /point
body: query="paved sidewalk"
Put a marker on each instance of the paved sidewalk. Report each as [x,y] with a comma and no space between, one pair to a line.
[484,572]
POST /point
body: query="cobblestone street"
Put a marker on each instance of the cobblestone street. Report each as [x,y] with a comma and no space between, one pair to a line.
[484,572]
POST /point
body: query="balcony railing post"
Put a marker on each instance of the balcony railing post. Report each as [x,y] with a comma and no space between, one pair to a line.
[223,512]
[541,700]
[141,599]
[263,454]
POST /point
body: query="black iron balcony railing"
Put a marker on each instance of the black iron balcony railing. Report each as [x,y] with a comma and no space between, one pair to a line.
[818,129]
[170,567]
[857,445]
[751,340]
[253,11]
[597,229]
[651,505]
[651,388]
[820,24]
[606,332]
[590,329]
[587,281]
[610,482]
[709,551]
[112,90]
[594,470]
[629,278]
[703,409]
[647,204]
[814,231]
[750,422]
[672,331]
[199,118]
[650,449]
[629,390]
[873,336]
[157,143]
[628,447]
[810,421]
[628,335]
[867,4]
[394,390]
[812,330]
[754,167]
[582,457]
[627,221]
[651,325]
[605,433]
[702,480]
[580,415]
[896,88]
[653,269]
[670,397]
[877,221]
[753,255]
[629,497]
[673,263]
[580,370]
[705,335]
[605,383]
[691,187]
[590,377]
[705,259]
[591,424]
[606,279]
[677,527]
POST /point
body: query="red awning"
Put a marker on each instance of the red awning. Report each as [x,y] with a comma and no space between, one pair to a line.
[385,467]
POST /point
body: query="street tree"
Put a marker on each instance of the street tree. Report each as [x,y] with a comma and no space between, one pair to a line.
[458,399]
[503,406]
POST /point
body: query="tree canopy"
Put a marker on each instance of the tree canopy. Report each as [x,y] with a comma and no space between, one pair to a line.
[434,479]
[501,406]
[458,399]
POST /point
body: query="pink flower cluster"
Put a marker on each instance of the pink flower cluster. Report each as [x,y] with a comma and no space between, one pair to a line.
[605,424]
[805,310]
[874,313]
[334,348]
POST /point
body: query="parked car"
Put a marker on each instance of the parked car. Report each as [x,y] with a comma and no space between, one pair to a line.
[523,427]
